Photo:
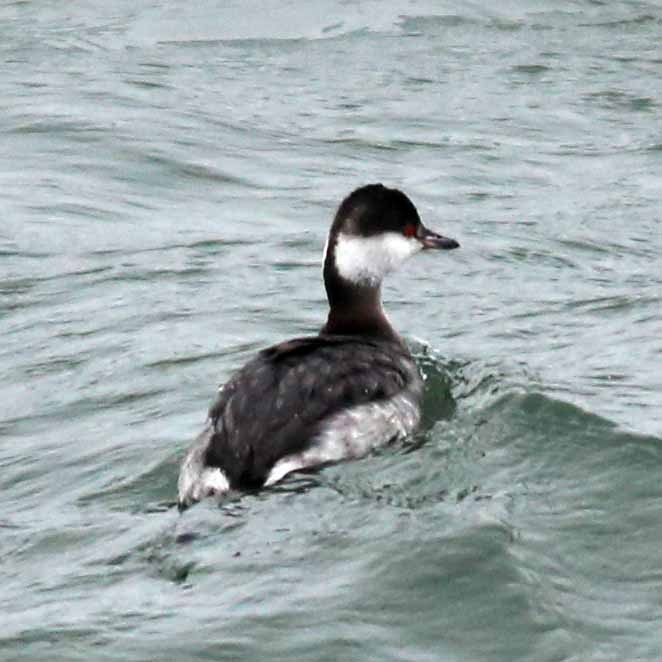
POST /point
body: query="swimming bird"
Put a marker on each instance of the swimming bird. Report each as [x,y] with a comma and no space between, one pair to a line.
[314,400]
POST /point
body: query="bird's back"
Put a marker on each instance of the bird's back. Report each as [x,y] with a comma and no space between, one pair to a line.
[278,404]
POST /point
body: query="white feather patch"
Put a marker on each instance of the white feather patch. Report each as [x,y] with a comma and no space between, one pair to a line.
[196,480]
[353,433]
[367,260]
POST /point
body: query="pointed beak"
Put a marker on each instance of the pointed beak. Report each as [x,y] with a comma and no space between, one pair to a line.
[431,239]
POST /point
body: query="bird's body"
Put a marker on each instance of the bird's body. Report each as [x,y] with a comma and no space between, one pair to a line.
[309,401]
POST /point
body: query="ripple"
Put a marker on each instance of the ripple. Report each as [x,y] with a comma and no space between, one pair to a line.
[533,69]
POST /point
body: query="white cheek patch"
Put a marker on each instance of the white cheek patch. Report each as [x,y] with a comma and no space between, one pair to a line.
[367,260]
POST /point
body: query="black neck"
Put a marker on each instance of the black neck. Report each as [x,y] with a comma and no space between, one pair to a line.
[355,309]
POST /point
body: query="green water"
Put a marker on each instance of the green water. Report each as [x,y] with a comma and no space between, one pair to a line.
[168,174]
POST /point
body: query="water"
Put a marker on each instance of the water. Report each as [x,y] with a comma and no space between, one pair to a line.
[168,173]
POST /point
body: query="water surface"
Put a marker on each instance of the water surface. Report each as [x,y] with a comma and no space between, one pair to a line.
[168,175]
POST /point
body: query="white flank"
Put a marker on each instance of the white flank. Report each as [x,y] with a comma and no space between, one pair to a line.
[353,433]
[196,480]
[366,260]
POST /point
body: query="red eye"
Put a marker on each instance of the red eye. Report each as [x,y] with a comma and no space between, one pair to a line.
[409,230]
